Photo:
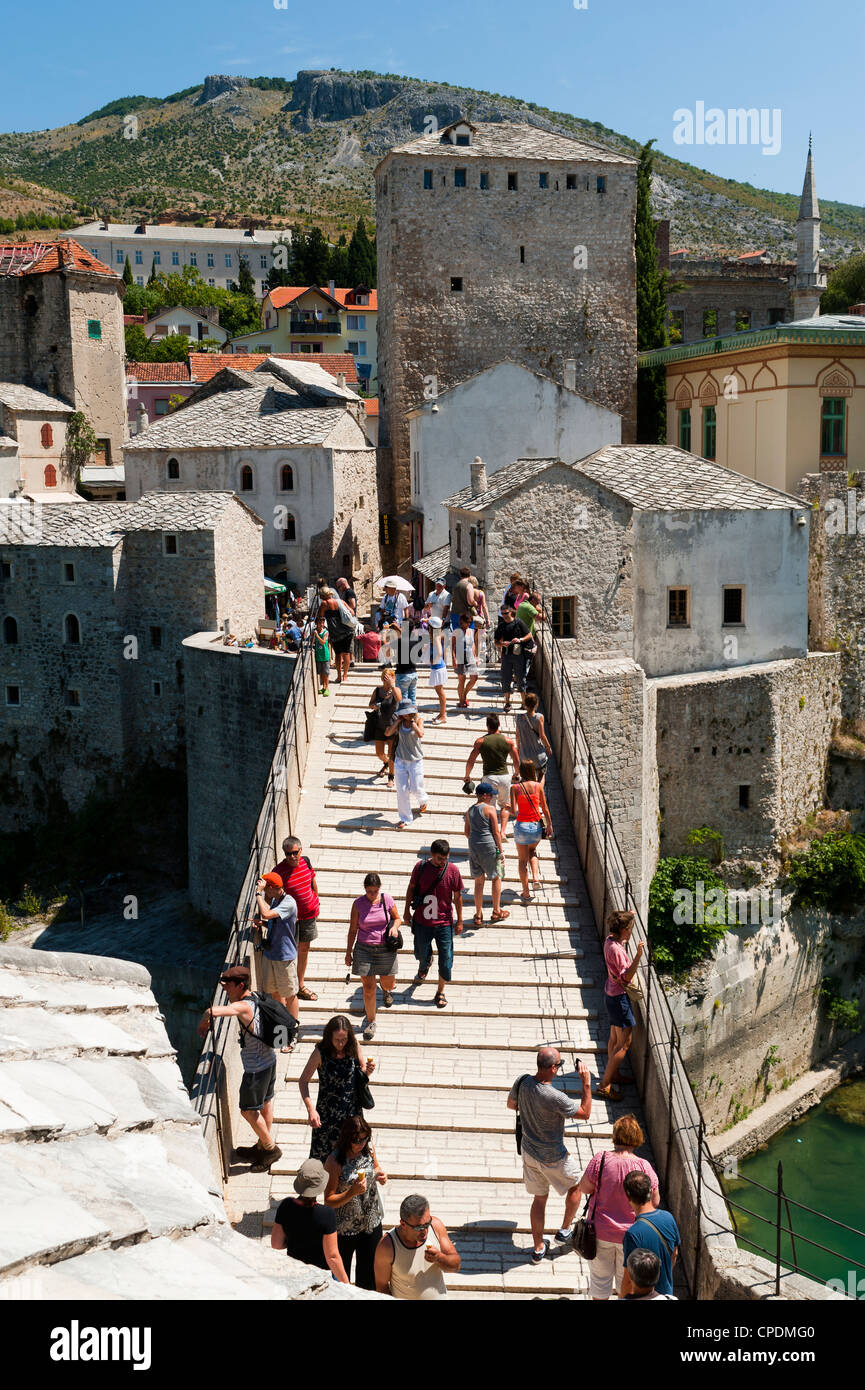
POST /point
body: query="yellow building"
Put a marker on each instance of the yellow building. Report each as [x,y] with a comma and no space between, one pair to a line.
[309,319]
[775,403]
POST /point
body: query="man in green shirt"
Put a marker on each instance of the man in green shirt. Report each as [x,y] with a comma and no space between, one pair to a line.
[494,749]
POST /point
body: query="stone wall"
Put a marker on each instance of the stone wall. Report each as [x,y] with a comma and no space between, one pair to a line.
[353,530]
[836,595]
[751,1018]
[234,701]
[729,289]
[767,727]
[99,366]
[540,311]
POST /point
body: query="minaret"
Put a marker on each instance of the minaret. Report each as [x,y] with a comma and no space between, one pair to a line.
[810,282]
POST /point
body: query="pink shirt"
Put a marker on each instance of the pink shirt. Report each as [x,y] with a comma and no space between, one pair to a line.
[617,962]
[612,1211]
[373,919]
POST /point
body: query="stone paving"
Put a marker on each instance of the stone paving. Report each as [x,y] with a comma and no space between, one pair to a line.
[440,1122]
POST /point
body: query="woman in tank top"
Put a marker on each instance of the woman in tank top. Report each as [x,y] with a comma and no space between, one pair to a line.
[532,740]
[531,812]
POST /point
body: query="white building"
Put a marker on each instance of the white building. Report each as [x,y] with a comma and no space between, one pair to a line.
[214,251]
[505,412]
[195,324]
[290,440]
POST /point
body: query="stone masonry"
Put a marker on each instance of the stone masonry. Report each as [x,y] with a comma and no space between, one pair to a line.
[836,577]
[470,275]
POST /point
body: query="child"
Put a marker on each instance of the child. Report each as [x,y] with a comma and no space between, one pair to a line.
[322,653]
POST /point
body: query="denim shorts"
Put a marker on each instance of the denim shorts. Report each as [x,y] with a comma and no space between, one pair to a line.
[620,1011]
[527,832]
[443,936]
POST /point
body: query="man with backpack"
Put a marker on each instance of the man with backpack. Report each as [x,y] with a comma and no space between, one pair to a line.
[262,1022]
[341,628]
[542,1114]
[277,921]
[434,906]
[298,880]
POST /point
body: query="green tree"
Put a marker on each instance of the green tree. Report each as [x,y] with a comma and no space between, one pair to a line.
[81,442]
[317,258]
[361,257]
[845,286]
[137,343]
[652,285]
[245,283]
[280,272]
[154,274]
[337,271]
[127,272]
[174,347]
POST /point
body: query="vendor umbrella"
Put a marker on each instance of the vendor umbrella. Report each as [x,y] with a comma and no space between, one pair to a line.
[394,581]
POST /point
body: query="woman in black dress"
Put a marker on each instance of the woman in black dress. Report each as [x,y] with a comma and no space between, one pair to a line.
[384,701]
[337,1059]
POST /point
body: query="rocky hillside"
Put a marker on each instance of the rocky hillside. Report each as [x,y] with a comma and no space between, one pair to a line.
[304,150]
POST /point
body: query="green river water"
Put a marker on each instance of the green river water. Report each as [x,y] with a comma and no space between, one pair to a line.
[823,1157]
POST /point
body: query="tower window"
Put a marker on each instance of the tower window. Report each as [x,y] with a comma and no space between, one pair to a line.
[522,255]
[832,426]
[744,796]
[601,183]
[169,544]
[427,178]
[459,178]
[512,182]
[543,180]
[13,694]
[677,608]
[94,329]
[286,478]
[456,284]
[157,688]
[68,573]
[710,432]
[73,699]
[485,179]
[71,630]
[173,468]
[10,632]
[156,638]
[459,539]
[246,478]
[734,605]
[289,531]
[571,181]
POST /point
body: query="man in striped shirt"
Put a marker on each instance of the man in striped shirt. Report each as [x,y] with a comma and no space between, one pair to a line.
[298,878]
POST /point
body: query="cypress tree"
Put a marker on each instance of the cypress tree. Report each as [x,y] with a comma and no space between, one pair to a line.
[127,272]
[652,287]
[362,269]
[317,259]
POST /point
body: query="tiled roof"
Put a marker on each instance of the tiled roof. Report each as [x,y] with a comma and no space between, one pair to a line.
[157,371]
[652,477]
[108,1188]
[346,299]
[267,414]
[287,294]
[508,139]
[67,254]
[25,398]
[204,365]
[93,525]
[18,256]
[371,407]
[435,564]
[133,318]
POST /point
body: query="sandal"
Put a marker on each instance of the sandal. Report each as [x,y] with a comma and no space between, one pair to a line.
[306,994]
[607,1093]
[500,916]
[479,919]
[390,784]
[420,977]
[388,998]
[439,1000]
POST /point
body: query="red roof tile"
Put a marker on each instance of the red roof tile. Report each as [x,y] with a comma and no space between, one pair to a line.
[69,255]
[287,294]
[371,407]
[158,371]
[204,365]
[133,318]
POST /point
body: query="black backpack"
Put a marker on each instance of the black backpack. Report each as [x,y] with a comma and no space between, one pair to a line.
[278,1027]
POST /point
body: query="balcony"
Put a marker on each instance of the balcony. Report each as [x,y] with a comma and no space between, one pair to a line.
[323,327]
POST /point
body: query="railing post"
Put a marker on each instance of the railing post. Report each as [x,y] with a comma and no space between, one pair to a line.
[606,825]
[698,1244]
[672,1060]
[588,811]
[273,813]
[778,1232]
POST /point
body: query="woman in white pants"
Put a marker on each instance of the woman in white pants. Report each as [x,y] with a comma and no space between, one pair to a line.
[408,761]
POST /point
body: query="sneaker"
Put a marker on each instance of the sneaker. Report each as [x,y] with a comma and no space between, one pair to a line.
[538,1255]
[247,1153]
[266,1160]
[369,1032]
[564,1234]
[388,998]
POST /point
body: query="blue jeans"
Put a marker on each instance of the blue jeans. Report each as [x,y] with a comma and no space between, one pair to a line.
[443,935]
[407,682]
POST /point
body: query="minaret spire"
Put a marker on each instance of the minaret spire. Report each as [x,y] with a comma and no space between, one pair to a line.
[809,282]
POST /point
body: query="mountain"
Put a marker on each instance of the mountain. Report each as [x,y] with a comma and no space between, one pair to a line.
[303,150]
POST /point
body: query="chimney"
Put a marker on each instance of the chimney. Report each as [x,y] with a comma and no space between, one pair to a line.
[479,477]
[857,309]
[331,288]
[340,380]
[103,225]
[570,374]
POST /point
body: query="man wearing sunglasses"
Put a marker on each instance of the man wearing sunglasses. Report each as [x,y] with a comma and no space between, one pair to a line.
[258,1059]
[411,1259]
[298,879]
[546,1161]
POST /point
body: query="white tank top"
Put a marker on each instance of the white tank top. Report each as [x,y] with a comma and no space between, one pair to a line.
[412,1276]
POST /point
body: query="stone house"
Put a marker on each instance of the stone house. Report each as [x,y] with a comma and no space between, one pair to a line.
[32,445]
[501,241]
[290,441]
[774,403]
[96,600]
[61,332]
[504,412]
[195,324]
[680,592]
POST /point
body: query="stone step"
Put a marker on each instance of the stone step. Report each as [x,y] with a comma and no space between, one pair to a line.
[520,1001]
[477,1084]
[486,942]
[328,967]
[402,849]
[452,1034]
[408,1109]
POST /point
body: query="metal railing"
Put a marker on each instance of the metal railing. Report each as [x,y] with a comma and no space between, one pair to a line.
[279,805]
[688,1166]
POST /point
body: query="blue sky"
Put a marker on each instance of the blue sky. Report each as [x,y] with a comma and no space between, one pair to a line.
[629,65]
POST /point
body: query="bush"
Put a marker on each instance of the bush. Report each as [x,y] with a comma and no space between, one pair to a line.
[679,945]
[844,1012]
[29,903]
[831,874]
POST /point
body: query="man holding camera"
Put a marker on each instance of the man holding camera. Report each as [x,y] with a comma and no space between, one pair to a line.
[434,906]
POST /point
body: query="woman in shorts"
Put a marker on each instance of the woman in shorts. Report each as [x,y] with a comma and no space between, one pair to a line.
[620,971]
[532,739]
[530,812]
[486,856]
[438,671]
[371,948]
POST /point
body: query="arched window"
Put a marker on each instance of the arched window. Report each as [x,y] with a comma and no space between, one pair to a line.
[173,468]
[71,629]
[286,478]
[50,475]
[10,632]
[246,478]
[289,532]
[46,434]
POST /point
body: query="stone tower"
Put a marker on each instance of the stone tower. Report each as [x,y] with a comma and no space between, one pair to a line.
[501,241]
[810,281]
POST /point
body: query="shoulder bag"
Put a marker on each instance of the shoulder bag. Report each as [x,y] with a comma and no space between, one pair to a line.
[633,990]
[362,1091]
[392,937]
[518,1126]
[585,1237]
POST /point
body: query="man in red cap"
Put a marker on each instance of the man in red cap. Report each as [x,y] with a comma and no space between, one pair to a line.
[277,917]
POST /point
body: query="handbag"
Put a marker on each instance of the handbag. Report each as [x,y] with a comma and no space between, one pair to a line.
[585,1236]
[370,724]
[362,1092]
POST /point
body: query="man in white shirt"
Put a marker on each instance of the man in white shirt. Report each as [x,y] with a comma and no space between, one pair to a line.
[438,605]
